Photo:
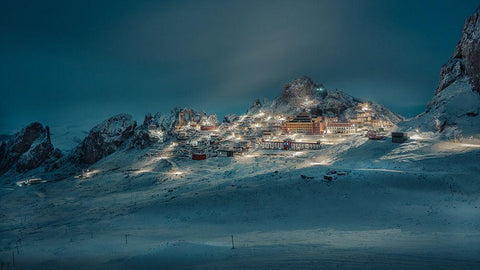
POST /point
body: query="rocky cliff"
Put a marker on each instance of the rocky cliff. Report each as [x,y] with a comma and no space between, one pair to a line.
[26,150]
[465,61]
[455,106]
[105,138]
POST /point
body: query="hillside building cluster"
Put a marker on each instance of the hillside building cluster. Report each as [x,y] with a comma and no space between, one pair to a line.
[202,136]
[366,119]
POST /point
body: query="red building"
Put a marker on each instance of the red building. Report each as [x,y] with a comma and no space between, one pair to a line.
[208,128]
[199,156]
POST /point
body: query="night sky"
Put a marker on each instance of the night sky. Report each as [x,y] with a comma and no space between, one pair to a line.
[83,61]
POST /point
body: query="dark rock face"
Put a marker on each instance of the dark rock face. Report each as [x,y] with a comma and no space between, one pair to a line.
[454,109]
[230,118]
[27,150]
[466,58]
[299,88]
[143,139]
[294,96]
[105,138]
[151,131]
[4,138]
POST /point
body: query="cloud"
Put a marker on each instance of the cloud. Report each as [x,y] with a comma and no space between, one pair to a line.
[63,58]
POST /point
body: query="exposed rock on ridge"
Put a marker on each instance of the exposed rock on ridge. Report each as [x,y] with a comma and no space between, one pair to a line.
[454,109]
[28,149]
[105,138]
[303,94]
[466,57]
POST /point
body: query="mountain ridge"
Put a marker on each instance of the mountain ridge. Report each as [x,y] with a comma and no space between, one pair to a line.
[122,132]
[453,110]
[303,94]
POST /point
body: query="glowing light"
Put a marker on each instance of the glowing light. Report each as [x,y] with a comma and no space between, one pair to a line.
[416,137]
[176,172]
[141,171]
[88,174]
[31,181]
[323,162]
[469,145]
[297,154]
[260,114]
[157,134]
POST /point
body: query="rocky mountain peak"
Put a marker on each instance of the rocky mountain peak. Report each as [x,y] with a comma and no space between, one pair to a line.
[300,88]
[27,149]
[303,94]
[465,61]
[105,138]
[455,107]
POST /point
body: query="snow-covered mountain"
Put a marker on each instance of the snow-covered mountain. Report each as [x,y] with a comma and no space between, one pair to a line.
[105,138]
[303,94]
[455,107]
[121,132]
[27,149]
[30,151]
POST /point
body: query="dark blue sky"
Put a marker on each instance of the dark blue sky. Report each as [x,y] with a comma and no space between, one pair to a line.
[82,61]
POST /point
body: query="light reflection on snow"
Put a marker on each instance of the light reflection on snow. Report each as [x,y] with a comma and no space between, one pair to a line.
[381,170]
[30,181]
[87,174]
[299,153]
[175,172]
[469,145]
[143,170]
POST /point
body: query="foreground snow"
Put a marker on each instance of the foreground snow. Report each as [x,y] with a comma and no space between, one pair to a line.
[408,206]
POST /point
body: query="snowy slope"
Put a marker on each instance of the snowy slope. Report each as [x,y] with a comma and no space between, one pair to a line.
[410,206]
[453,112]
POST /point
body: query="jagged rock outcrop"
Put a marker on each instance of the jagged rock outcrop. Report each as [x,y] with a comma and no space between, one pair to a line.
[160,128]
[153,129]
[105,138]
[466,57]
[27,149]
[230,118]
[299,94]
[179,118]
[303,94]
[256,106]
[300,88]
[210,120]
[455,107]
